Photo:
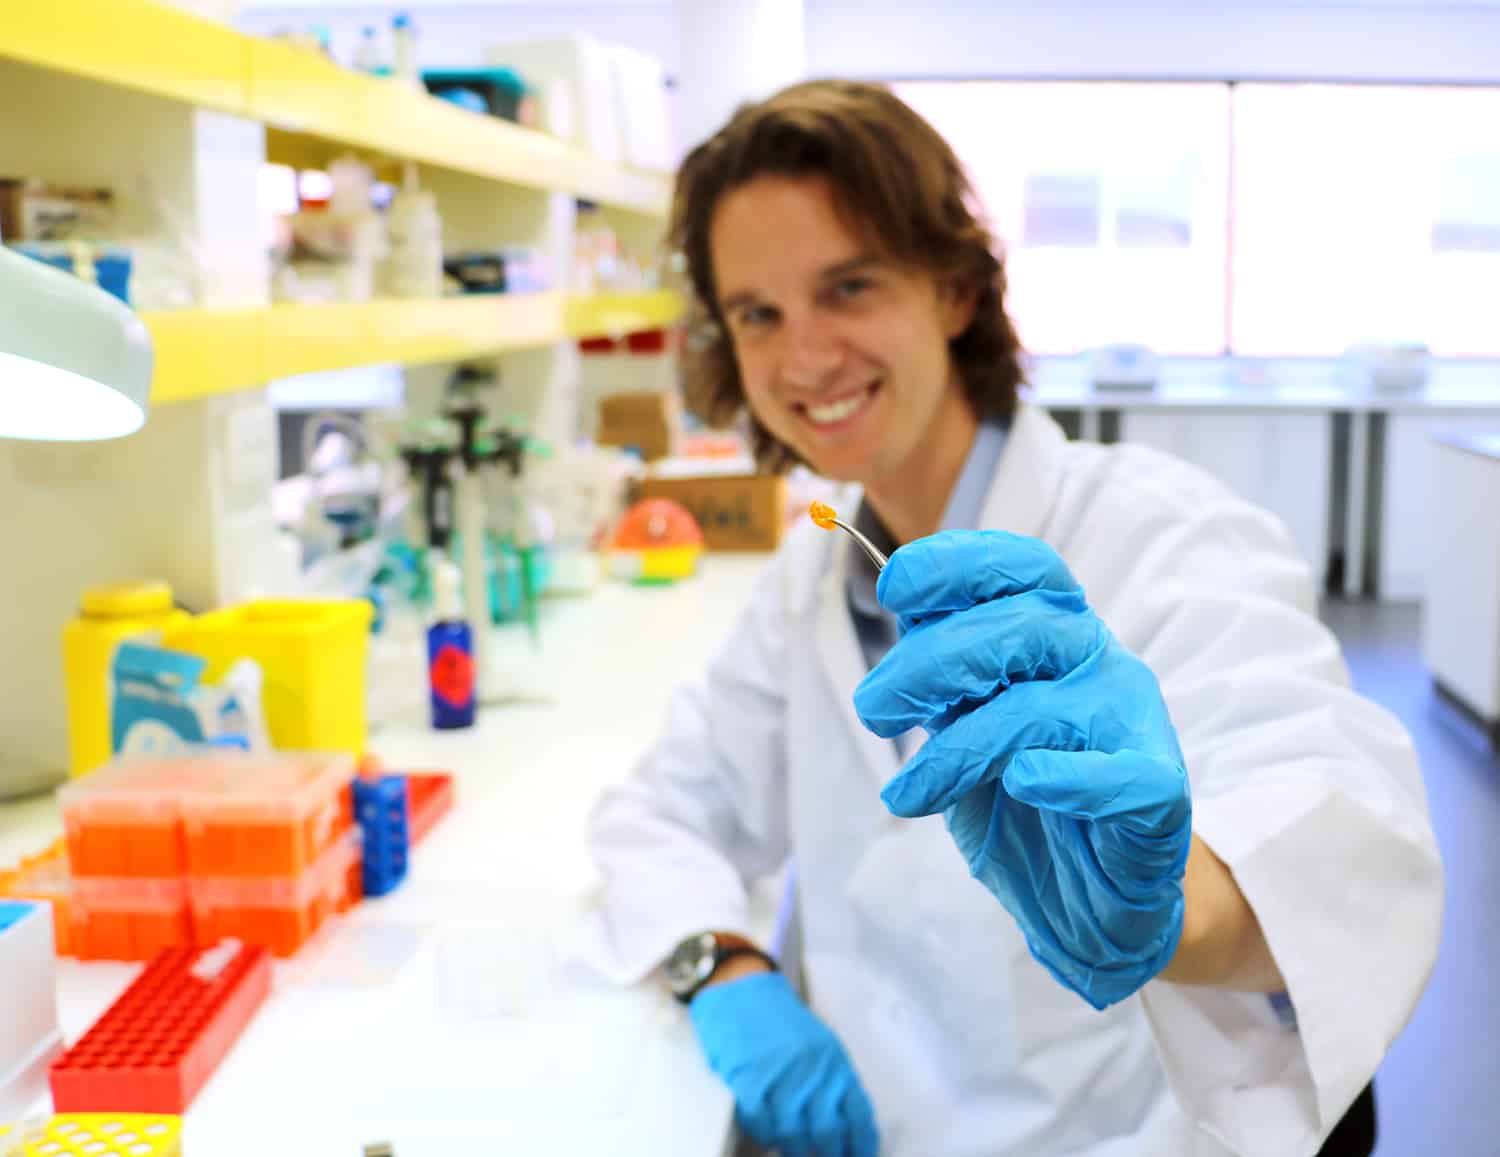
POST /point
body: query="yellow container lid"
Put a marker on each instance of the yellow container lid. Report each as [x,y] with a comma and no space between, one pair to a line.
[127,600]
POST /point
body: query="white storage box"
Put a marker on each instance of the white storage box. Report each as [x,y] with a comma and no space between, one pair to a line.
[585,69]
[29,1035]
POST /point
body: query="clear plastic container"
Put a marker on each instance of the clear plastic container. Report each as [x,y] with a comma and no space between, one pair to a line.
[282,914]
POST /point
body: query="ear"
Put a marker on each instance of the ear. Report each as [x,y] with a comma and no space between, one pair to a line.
[956,306]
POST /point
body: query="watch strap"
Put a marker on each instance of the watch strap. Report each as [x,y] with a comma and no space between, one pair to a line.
[728,945]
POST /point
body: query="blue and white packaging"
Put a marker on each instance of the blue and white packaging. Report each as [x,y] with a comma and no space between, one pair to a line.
[161,706]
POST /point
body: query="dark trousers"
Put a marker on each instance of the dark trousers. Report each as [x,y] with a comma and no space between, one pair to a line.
[1354,1135]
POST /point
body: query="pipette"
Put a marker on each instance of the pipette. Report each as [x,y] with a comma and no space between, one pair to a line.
[826,517]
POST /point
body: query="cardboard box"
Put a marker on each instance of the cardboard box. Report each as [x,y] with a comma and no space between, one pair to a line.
[736,511]
[651,421]
[37,211]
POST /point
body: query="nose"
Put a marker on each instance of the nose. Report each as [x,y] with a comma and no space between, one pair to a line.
[813,354]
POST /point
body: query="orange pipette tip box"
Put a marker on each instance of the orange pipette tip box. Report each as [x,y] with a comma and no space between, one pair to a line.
[207,813]
[281,914]
[129,918]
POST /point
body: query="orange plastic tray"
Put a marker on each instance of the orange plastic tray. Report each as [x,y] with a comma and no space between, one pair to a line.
[429,797]
[282,914]
[44,877]
[128,918]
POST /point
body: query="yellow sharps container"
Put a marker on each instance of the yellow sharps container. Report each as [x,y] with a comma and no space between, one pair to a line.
[107,616]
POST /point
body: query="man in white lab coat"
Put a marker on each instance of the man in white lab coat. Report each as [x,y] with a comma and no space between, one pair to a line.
[1097,852]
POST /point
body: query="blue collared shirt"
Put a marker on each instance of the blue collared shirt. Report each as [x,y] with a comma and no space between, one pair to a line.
[875,626]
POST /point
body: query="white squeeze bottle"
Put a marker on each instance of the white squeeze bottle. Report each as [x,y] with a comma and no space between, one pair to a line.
[404,47]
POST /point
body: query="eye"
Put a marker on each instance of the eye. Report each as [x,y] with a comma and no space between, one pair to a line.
[750,317]
[849,288]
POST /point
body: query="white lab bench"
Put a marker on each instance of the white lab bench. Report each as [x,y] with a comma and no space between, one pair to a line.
[452,1016]
[1461,618]
[1348,470]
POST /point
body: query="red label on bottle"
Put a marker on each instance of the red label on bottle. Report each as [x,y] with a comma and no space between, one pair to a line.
[453,675]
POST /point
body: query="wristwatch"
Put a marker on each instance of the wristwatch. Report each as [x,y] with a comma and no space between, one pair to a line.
[695,960]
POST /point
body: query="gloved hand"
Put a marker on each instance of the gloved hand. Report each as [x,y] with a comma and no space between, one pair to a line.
[1051,753]
[794,1088]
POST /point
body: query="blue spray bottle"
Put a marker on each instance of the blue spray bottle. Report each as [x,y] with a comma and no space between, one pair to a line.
[450,650]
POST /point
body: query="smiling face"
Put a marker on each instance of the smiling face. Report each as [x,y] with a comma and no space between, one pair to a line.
[843,354]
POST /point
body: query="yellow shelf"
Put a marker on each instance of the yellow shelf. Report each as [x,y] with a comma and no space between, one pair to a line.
[617,314]
[150,47]
[135,44]
[203,352]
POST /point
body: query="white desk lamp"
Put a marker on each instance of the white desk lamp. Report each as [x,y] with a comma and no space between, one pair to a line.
[75,366]
[75,363]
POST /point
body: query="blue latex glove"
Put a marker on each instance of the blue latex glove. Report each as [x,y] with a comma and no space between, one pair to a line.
[794,1088]
[1051,754]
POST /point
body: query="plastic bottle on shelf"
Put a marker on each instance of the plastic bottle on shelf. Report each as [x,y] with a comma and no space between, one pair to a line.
[367,55]
[404,50]
[356,230]
[414,267]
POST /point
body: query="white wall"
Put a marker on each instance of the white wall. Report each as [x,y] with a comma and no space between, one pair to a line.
[457,35]
[732,52]
[1261,39]
[1264,39]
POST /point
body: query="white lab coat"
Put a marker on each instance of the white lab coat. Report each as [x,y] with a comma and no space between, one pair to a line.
[968,1048]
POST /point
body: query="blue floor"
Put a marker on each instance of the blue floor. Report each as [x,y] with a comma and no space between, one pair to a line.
[1439,1089]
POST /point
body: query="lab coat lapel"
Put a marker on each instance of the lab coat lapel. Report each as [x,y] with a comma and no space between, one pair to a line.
[844,662]
[1024,489]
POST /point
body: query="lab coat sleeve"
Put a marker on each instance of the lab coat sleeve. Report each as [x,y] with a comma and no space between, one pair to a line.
[1313,797]
[705,812]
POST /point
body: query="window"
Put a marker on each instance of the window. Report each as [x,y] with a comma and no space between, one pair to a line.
[1366,213]
[1110,200]
[1269,219]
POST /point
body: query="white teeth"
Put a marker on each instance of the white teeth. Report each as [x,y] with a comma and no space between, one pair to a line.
[838,411]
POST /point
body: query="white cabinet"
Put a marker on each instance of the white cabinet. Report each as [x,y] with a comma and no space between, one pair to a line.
[1461,612]
[1279,461]
[1410,494]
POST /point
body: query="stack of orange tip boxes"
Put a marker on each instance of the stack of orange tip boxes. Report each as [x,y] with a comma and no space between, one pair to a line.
[123,827]
[187,849]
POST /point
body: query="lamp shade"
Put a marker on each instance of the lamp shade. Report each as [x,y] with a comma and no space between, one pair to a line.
[75,363]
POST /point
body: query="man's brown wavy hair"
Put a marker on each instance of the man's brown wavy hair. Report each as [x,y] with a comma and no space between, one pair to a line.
[896,180]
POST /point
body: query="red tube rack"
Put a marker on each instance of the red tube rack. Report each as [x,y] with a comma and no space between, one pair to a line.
[429,797]
[157,1045]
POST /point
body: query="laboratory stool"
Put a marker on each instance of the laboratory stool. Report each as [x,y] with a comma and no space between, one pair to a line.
[1354,1135]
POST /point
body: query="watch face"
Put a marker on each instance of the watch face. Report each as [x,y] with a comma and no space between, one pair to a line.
[691,963]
